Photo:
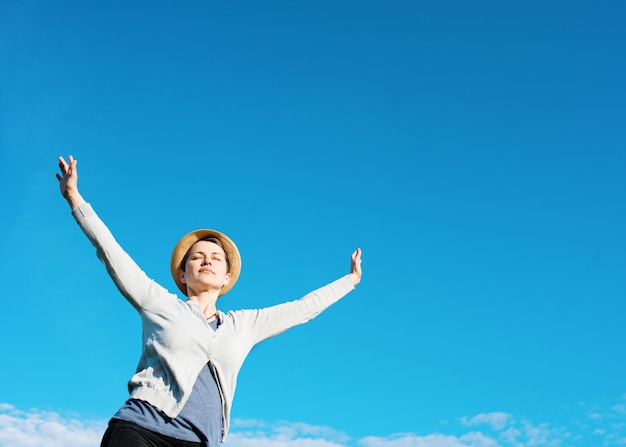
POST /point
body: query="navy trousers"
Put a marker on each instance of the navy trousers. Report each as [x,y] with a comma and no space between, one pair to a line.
[126,434]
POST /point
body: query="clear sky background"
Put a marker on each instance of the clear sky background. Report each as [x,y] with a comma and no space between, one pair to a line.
[475,151]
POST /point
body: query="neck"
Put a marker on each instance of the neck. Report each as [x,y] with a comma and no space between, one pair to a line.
[206,301]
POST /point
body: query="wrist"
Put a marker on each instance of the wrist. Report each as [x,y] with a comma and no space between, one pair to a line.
[74,198]
[356,279]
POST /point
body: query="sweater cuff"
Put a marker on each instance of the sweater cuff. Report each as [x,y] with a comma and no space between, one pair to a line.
[343,285]
[83,210]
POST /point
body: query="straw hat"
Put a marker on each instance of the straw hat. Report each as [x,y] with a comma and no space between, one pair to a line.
[183,246]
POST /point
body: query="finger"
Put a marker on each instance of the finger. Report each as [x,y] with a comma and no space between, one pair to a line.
[62,165]
[73,163]
[356,261]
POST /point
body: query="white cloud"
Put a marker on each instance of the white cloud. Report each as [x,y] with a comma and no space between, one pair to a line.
[433,440]
[538,435]
[510,437]
[254,433]
[497,420]
[477,439]
[36,428]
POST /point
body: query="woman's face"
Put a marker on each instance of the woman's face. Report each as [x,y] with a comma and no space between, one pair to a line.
[206,268]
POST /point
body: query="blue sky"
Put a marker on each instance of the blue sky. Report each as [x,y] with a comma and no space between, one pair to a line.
[475,151]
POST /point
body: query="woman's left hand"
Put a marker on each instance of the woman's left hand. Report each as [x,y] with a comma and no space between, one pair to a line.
[355,269]
[68,181]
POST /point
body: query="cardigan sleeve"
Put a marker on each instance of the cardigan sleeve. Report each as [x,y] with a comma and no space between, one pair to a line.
[270,321]
[129,279]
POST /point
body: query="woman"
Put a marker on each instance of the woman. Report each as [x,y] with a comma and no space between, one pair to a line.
[182,391]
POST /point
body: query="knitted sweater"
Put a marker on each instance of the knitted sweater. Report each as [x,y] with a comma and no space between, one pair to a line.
[177,341]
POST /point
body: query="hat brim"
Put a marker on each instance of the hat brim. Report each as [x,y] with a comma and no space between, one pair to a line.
[185,243]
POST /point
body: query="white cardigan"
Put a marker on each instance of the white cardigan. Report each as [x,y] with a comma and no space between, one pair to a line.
[177,341]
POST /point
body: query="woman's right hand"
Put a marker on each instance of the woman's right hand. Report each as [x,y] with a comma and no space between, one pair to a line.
[68,181]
